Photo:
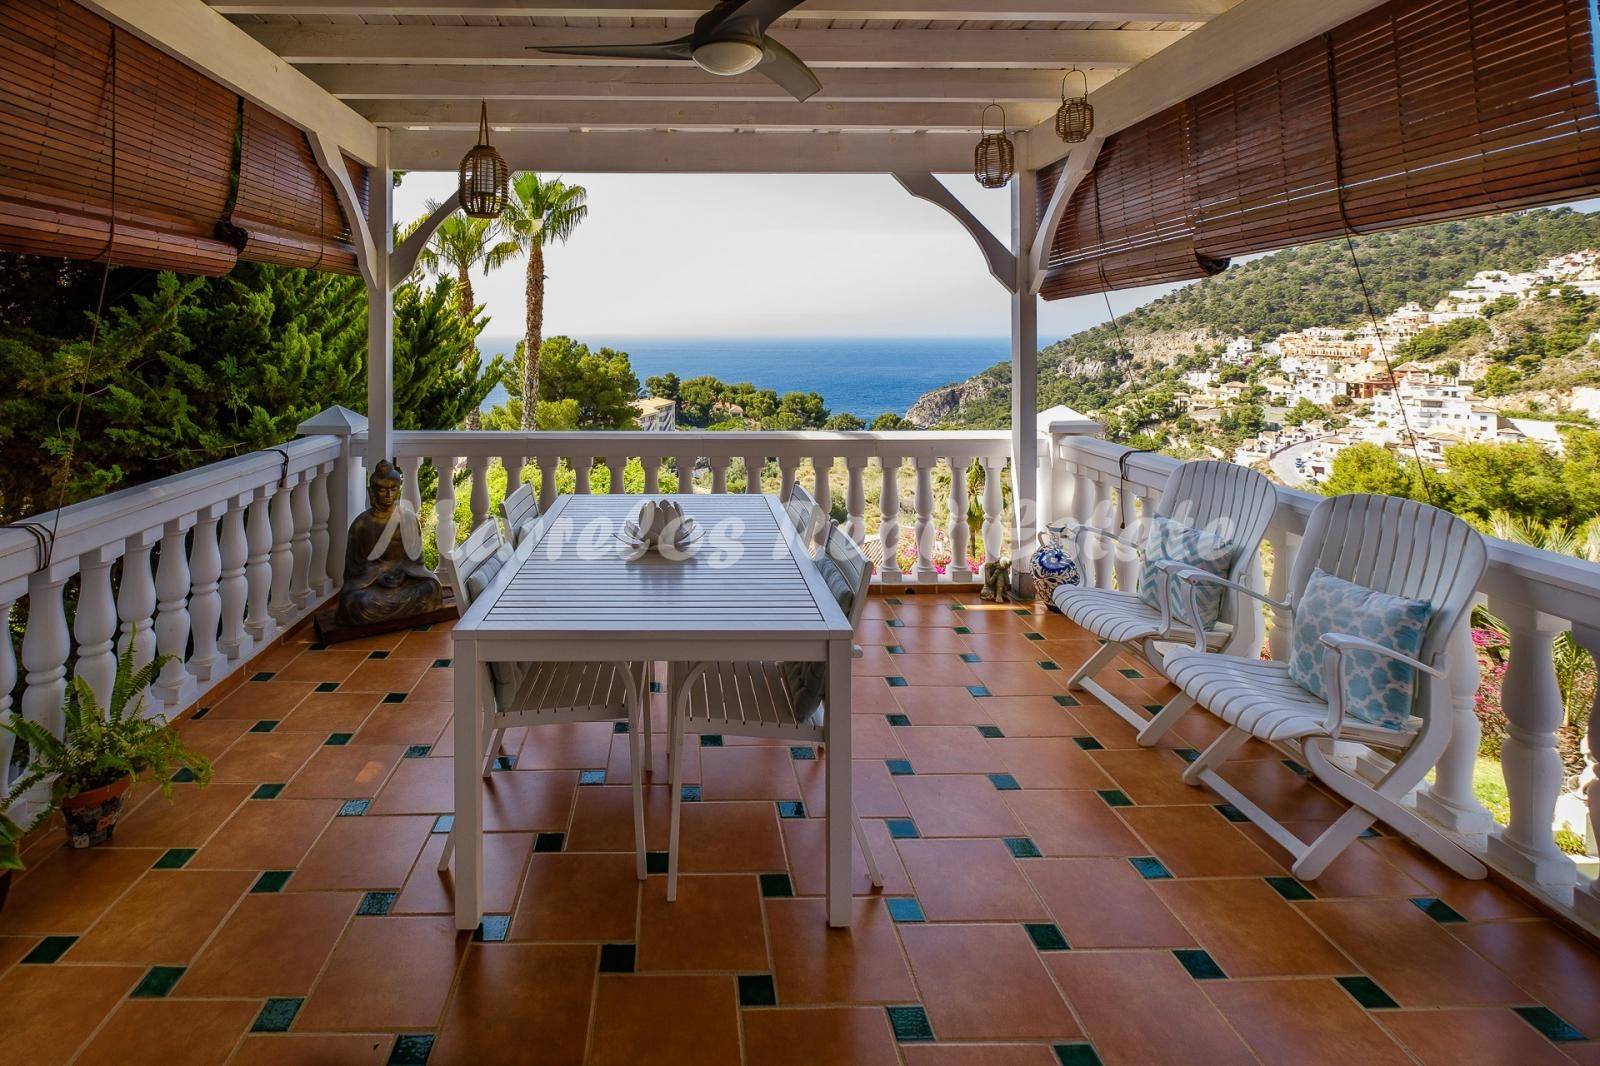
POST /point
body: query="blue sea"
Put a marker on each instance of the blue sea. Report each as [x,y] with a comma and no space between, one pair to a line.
[863,375]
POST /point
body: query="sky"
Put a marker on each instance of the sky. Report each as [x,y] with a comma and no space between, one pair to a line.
[716,255]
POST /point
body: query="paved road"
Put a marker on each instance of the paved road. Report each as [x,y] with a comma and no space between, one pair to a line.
[1283,463]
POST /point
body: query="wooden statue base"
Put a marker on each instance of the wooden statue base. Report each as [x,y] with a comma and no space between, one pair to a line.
[330,632]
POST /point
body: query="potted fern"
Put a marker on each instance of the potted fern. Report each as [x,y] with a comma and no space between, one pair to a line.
[10,854]
[101,753]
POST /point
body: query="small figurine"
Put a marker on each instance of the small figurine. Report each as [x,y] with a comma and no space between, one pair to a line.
[997,581]
[384,579]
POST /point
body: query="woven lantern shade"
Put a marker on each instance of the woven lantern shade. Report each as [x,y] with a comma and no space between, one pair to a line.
[995,158]
[1075,117]
[483,175]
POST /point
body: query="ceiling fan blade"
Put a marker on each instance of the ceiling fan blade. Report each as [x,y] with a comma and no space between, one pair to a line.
[682,48]
[787,71]
[743,17]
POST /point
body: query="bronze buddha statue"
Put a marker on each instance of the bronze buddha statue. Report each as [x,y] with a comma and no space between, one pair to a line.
[384,579]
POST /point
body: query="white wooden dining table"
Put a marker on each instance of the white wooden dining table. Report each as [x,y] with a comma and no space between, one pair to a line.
[747,592]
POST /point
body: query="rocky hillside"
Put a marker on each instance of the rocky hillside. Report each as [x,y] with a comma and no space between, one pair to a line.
[1315,285]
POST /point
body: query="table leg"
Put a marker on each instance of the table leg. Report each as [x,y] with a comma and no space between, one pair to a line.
[468,829]
[836,731]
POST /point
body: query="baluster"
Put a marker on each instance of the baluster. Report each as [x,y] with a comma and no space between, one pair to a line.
[549,466]
[1098,550]
[234,643]
[1587,898]
[1532,701]
[8,682]
[205,597]
[686,474]
[136,599]
[993,508]
[175,685]
[444,507]
[855,500]
[923,530]
[889,512]
[1127,561]
[45,647]
[719,473]
[616,467]
[281,556]
[753,466]
[959,569]
[345,470]
[479,500]
[411,467]
[786,467]
[1449,800]
[319,583]
[259,623]
[94,624]
[652,473]
[581,465]
[821,485]
[513,465]
[300,543]
[1285,546]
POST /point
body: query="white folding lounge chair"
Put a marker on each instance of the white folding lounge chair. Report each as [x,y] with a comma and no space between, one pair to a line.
[549,693]
[1235,504]
[1394,546]
[520,510]
[763,699]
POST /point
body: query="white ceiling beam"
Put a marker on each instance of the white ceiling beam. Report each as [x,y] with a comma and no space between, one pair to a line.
[1230,44]
[201,38]
[917,10]
[688,83]
[672,152]
[1048,49]
[669,114]
[1002,263]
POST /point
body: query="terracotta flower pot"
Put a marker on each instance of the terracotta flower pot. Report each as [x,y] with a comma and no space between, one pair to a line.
[91,816]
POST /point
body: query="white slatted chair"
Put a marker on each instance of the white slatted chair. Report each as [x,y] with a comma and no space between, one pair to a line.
[1392,545]
[520,510]
[548,693]
[807,517]
[762,699]
[1233,502]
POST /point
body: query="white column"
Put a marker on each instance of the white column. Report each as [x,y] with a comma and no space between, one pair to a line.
[924,521]
[136,599]
[94,624]
[889,510]
[175,687]
[300,542]
[281,557]
[1449,799]
[1532,701]
[259,622]
[1024,377]
[856,499]
[205,596]
[1587,898]
[380,309]
[959,571]
[233,642]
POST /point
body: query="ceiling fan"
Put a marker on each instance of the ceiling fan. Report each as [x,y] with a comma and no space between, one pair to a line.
[729,39]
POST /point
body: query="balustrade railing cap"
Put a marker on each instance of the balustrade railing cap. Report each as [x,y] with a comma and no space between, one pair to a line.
[336,420]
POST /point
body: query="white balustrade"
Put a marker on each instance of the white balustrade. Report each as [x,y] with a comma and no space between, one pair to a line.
[95,624]
[8,682]
[855,503]
[1587,897]
[321,579]
[174,686]
[889,518]
[923,529]
[136,599]
[259,622]
[300,550]
[993,524]
[206,663]
[45,647]
[444,509]
[281,515]
[234,641]
[1449,799]
[959,533]
[478,503]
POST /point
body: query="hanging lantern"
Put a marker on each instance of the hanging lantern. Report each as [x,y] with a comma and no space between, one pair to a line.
[1075,117]
[483,175]
[995,158]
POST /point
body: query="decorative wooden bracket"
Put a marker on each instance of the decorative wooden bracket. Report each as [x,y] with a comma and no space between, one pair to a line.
[1002,264]
[1079,164]
[331,160]
[403,259]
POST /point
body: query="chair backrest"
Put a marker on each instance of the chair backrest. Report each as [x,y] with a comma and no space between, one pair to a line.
[853,567]
[1230,501]
[806,517]
[520,509]
[1397,546]
[458,567]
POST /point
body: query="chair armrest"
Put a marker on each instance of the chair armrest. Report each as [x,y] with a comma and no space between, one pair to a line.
[1333,670]
[1192,577]
[1080,533]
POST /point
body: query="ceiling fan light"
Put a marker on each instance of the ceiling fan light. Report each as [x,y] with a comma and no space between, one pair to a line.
[727,58]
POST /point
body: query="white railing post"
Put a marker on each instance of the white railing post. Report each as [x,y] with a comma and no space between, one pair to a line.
[513,465]
[889,517]
[411,492]
[1285,546]
[234,642]
[1449,800]
[1587,898]
[923,531]
[259,622]
[1127,562]
[753,466]
[321,579]
[959,533]
[821,483]
[719,473]
[786,468]
[95,623]
[616,470]
[1102,560]
[855,499]
[300,550]
[1533,769]
[993,508]
[343,424]
[205,596]
[46,644]
[652,473]
[8,682]
[479,500]
[281,557]
[549,467]
[444,505]
[175,687]
[136,599]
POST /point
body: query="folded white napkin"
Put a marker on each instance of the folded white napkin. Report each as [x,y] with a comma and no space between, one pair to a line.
[657,522]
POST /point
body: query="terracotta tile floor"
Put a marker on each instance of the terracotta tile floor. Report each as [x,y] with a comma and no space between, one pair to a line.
[1055,894]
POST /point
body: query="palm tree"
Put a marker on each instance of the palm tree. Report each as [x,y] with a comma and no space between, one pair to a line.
[459,244]
[539,211]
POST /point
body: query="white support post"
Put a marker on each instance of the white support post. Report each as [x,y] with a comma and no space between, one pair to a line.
[380,307]
[1024,378]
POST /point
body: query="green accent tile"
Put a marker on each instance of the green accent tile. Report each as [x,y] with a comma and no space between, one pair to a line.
[979,691]
[1438,910]
[619,729]
[492,929]
[1076,1055]
[993,732]
[892,601]
[377,904]
[174,858]
[549,843]
[505,762]
[328,686]
[1297,768]
[394,697]
[895,623]
[803,753]
[272,881]
[971,657]
[895,681]
[656,686]
[1290,889]
[378,655]
[1370,833]
[1551,1026]
[776,886]
[423,628]
[411,1049]
[1021,610]
[354,808]
[899,767]
[201,713]
[1004,782]
[337,740]
[1231,813]
[264,726]
[689,793]
[1048,664]
[1114,797]
[1034,636]
[277,1015]
[1046,936]
[262,675]
[418,751]
[1200,964]
[1088,743]
[442,664]
[317,647]
[655,862]
[791,809]
[1023,848]
[1065,701]
[591,777]
[48,950]
[897,720]
[965,631]
[910,1025]
[1365,991]
[711,740]
[617,958]
[894,649]
[905,909]
[757,990]
[1150,868]
[184,776]
[444,823]
[1129,672]
[958,607]
[902,829]
[157,982]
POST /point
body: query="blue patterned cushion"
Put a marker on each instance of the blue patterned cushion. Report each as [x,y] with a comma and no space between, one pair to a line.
[1378,690]
[1175,542]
